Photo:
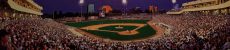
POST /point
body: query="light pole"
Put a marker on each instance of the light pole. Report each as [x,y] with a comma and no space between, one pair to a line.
[81,11]
[53,14]
[81,3]
[173,1]
[124,2]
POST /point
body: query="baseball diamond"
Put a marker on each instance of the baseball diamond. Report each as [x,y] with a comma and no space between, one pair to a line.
[114,24]
[119,30]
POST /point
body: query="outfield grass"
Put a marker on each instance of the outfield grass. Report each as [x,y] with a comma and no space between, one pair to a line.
[113,28]
[88,23]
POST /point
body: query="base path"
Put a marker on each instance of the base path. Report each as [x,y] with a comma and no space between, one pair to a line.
[159,30]
[74,31]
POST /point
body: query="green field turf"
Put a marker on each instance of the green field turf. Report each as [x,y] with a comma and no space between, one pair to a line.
[113,28]
[144,32]
[88,23]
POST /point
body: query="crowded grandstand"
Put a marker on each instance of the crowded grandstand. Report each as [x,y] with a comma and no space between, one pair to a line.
[196,26]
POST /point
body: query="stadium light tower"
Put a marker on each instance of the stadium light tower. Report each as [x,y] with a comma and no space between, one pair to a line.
[173,1]
[124,2]
[81,3]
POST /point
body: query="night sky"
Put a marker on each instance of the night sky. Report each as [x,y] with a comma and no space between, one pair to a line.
[50,6]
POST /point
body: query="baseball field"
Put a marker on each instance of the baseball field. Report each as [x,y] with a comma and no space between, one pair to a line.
[120,30]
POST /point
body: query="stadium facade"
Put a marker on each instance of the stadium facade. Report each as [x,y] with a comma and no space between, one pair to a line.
[204,6]
[20,8]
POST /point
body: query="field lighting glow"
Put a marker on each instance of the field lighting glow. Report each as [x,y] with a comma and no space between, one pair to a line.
[81,2]
[124,1]
[173,1]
